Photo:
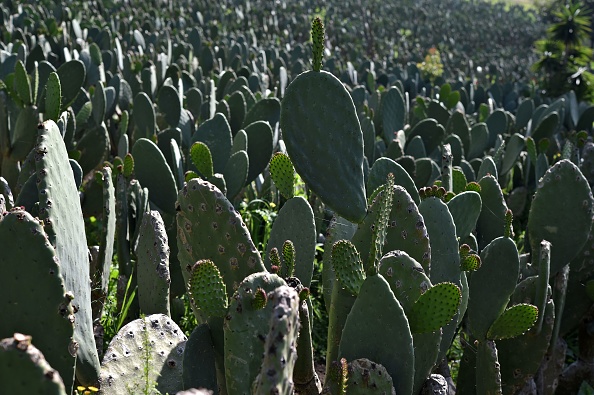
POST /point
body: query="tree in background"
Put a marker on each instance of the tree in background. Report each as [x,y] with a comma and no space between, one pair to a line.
[565,60]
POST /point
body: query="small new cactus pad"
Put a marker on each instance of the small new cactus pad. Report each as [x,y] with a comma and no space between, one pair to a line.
[146,352]
[470,262]
[317,38]
[202,159]
[275,261]
[53,97]
[379,173]
[489,225]
[561,213]
[245,328]
[280,346]
[367,377]
[378,235]
[435,308]
[209,227]
[514,321]
[282,173]
[207,289]
[152,265]
[289,258]
[24,370]
[406,229]
[348,266]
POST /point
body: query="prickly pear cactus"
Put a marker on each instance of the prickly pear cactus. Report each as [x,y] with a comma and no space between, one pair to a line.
[248,313]
[24,370]
[147,353]
[367,377]
[209,227]
[152,265]
[60,210]
[280,346]
[317,111]
[24,241]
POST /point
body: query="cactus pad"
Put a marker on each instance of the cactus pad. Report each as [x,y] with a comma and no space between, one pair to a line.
[348,266]
[207,289]
[24,370]
[514,321]
[282,173]
[311,141]
[435,308]
[280,346]
[367,377]
[209,227]
[202,159]
[146,352]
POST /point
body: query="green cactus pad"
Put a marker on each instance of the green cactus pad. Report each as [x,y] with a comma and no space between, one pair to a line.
[216,134]
[430,131]
[348,266]
[406,277]
[153,344]
[492,285]
[470,262]
[207,289]
[280,346]
[235,173]
[459,180]
[311,141]
[199,360]
[379,173]
[275,261]
[490,224]
[406,229]
[393,113]
[22,83]
[243,352]
[153,172]
[144,117]
[209,227]
[283,174]
[488,375]
[317,38]
[435,308]
[380,331]
[289,258]
[465,209]
[25,241]
[367,377]
[59,208]
[520,357]
[72,76]
[53,97]
[560,213]
[264,110]
[24,370]
[337,378]
[295,221]
[202,159]
[170,104]
[514,321]
[259,148]
[152,265]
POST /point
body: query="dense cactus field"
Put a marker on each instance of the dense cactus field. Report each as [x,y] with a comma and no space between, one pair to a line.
[295,197]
